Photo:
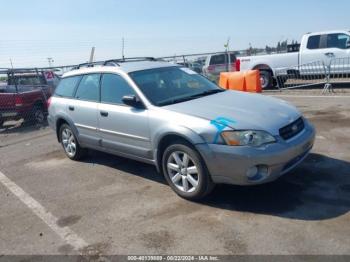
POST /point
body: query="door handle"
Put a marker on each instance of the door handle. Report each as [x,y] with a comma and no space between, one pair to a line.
[104,113]
[330,54]
[71,108]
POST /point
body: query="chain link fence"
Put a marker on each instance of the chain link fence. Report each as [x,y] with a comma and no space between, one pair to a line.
[24,92]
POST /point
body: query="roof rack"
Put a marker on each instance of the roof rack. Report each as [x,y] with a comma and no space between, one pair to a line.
[116,62]
[87,64]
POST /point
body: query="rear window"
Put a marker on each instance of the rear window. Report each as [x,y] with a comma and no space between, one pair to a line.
[67,86]
[217,59]
[26,80]
[221,59]
[314,42]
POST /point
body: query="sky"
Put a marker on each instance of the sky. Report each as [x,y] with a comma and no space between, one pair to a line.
[31,31]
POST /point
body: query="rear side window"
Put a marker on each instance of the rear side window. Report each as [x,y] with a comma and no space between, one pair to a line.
[113,88]
[88,88]
[314,42]
[67,86]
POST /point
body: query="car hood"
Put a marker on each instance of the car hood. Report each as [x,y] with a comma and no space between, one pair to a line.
[240,110]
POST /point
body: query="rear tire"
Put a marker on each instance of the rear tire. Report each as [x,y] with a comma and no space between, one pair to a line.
[266,79]
[186,172]
[70,143]
[38,114]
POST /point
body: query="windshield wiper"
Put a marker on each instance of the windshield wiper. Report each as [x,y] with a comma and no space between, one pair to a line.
[187,98]
[208,92]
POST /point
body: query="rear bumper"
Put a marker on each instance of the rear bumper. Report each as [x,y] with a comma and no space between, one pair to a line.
[51,122]
[6,115]
[229,165]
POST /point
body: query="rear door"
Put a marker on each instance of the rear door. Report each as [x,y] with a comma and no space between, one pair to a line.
[122,128]
[83,109]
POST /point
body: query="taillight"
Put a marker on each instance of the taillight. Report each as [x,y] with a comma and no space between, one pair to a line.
[211,68]
[18,101]
[238,65]
[48,102]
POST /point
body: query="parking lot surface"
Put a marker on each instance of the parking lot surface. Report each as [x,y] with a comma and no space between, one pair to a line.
[111,205]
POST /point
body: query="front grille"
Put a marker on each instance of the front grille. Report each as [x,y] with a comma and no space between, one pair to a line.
[292,129]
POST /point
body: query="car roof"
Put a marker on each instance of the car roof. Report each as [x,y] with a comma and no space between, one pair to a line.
[328,32]
[126,67]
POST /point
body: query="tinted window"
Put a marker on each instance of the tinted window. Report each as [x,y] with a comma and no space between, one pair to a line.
[27,80]
[337,40]
[169,85]
[88,88]
[232,58]
[217,59]
[67,85]
[314,42]
[113,88]
[222,59]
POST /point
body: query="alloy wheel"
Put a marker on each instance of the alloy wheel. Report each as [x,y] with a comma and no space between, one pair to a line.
[183,171]
[68,142]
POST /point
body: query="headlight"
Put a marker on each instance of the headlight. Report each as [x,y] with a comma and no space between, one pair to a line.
[247,138]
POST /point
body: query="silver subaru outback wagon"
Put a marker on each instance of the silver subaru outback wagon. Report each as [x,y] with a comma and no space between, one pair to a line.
[195,133]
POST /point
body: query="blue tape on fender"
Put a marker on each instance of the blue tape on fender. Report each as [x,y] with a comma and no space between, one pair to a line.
[221,123]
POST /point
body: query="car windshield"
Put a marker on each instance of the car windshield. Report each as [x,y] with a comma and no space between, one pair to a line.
[170,85]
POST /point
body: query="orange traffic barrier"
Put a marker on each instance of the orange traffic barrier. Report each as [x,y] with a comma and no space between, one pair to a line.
[248,81]
[223,81]
[252,81]
[236,81]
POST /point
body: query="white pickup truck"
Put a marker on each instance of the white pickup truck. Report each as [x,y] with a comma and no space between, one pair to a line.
[320,46]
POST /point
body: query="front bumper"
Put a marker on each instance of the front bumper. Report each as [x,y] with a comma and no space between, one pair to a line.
[229,164]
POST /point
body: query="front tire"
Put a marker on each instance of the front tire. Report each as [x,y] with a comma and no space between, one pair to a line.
[185,171]
[70,143]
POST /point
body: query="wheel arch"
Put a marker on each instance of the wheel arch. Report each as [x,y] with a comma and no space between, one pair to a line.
[60,120]
[166,139]
[263,67]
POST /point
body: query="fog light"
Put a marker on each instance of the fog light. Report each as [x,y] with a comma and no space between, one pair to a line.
[256,173]
[252,172]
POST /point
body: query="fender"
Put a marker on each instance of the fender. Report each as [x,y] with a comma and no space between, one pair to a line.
[180,131]
[66,118]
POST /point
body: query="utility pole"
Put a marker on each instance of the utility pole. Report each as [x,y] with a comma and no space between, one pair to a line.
[227,46]
[50,60]
[92,54]
[123,44]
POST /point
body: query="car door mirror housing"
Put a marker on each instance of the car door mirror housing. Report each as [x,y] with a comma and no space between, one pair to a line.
[133,101]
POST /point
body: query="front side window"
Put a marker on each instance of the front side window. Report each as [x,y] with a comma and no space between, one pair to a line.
[113,88]
[67,86]
[88,88]
[314,42]
[169,85]
[337,41]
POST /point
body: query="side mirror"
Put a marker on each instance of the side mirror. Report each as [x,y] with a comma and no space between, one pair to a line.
[348,44]
[132,101]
